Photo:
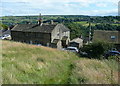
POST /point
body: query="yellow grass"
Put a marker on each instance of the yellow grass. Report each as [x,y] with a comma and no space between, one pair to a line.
[96,71]
[31,64]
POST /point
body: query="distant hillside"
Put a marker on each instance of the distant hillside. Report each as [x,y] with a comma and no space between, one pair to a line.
[12,20]
[28,64]
[78,24]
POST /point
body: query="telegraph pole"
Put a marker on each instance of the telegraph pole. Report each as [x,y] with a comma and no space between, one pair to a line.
[40,22]
[89,41]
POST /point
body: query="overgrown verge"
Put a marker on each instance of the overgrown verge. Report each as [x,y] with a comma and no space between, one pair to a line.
[30,64]
[97,49]
[91,71]
[23,64]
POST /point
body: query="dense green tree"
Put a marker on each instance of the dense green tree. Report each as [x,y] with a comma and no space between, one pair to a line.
[3,26]
[76,30]
[97,49]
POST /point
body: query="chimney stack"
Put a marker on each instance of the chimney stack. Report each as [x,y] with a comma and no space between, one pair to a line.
[40,20]
[51,22]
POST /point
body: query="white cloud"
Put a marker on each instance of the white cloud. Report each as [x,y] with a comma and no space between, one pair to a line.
[43,1]
[103,12]
[101,4]
[64,6]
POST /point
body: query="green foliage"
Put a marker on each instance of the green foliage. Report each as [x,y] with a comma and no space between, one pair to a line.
[76,30]
[105,27]
[96,49]
[117,58]
[4,26]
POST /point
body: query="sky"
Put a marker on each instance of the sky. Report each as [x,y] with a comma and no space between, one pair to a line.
[59,7]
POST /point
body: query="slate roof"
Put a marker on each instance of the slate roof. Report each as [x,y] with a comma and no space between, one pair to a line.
[34,28]
[77,40]
[37,28]
[64,28]
[2,32]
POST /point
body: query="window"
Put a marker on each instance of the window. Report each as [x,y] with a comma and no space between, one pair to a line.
[113,37]
[58,34]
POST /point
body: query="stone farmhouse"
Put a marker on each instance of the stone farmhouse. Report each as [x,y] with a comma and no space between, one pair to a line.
[52,35]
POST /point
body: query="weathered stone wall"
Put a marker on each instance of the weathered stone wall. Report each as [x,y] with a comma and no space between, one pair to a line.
[31,37]
[107,36]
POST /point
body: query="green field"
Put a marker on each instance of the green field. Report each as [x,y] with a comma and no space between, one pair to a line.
[31,64]
[116,24]
[85,23]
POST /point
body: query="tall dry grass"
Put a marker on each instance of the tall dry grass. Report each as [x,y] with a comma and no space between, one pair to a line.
[23,64]
[91,71]
[31,64]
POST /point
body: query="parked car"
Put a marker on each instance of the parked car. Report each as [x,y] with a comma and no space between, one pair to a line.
[63,48]
[83,54]
[2,37]
[38,44]
[72,49]
[7,35]
[112,53]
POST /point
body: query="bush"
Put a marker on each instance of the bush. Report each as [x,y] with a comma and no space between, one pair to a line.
[96,49]
[117,58]
[5,27]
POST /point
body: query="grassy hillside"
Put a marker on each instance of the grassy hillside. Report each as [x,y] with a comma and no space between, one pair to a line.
[22,63]
[95,71]
[85,23]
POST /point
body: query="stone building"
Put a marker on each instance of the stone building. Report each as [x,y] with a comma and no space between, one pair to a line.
[52,35]
[77,42]
[107,36]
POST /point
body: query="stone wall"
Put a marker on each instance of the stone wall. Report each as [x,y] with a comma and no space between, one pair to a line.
[107,36]
[31,37]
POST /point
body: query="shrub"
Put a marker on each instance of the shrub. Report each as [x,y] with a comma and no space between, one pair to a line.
[117,58]
[96,49]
